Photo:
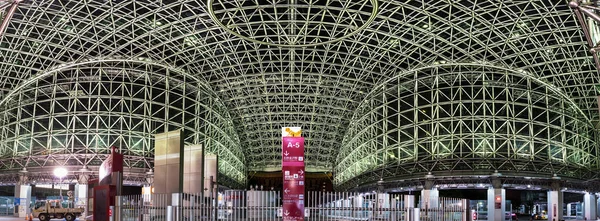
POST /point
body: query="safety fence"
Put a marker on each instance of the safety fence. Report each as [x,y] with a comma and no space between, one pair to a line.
[7,205]
[267,206]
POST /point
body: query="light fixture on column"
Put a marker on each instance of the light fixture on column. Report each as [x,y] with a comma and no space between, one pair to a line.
[150,177]
[84,169]
[60,173]
[496,173]
[83,175]
[429,175]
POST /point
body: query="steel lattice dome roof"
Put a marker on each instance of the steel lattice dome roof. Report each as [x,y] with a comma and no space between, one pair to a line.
[78,76]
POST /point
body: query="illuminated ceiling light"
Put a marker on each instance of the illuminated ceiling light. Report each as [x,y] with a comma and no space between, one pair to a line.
[192,40]
[60,172]
[528,186]
[155,24]
[69,29]
[523,25]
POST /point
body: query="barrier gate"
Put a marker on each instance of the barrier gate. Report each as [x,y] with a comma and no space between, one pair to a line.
[266,205]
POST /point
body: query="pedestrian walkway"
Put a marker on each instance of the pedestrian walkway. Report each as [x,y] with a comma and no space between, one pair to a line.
[9,218]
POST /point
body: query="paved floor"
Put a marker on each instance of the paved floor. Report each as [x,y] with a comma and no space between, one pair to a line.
[35,219]
[23,219]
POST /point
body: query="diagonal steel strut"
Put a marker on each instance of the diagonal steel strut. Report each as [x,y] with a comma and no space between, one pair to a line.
[583,10]
[8,15]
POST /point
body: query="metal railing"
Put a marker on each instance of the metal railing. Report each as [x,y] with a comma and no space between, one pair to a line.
[267,205]
[7,207]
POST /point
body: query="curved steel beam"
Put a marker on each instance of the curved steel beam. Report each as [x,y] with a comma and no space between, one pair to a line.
[521,73]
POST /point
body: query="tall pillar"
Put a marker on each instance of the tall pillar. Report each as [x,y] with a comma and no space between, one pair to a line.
[429,195]
[555,202]
[81,191]
[496,201]
[22,195]
[597,206]
[589,206]
[409,201]
[409,205]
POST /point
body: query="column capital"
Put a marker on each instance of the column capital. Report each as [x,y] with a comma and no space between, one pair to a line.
[496,183]
[428,185]
[83,179]
[23,179]
[555,186]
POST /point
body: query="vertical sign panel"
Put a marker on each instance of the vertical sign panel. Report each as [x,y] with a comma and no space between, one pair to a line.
[293,149]
[293,191]
[292,155]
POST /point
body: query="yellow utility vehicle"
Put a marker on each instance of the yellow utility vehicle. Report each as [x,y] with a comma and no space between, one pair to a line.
[53,209]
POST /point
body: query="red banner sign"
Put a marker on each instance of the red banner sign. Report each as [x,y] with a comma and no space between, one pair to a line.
[292,153]
[293,149]
[293,210]
[293,181]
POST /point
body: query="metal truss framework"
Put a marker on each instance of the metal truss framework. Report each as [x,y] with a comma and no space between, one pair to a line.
[588,17]
[457,117]
[519,182]
[312,64]
[70,115]
[131,176]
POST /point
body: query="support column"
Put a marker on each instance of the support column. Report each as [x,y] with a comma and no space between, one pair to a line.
[589,206]
[496,201]
[597,206]
[22,195]
[429,195]
[409,201]
[409,205]
[555,202]
[81,191]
